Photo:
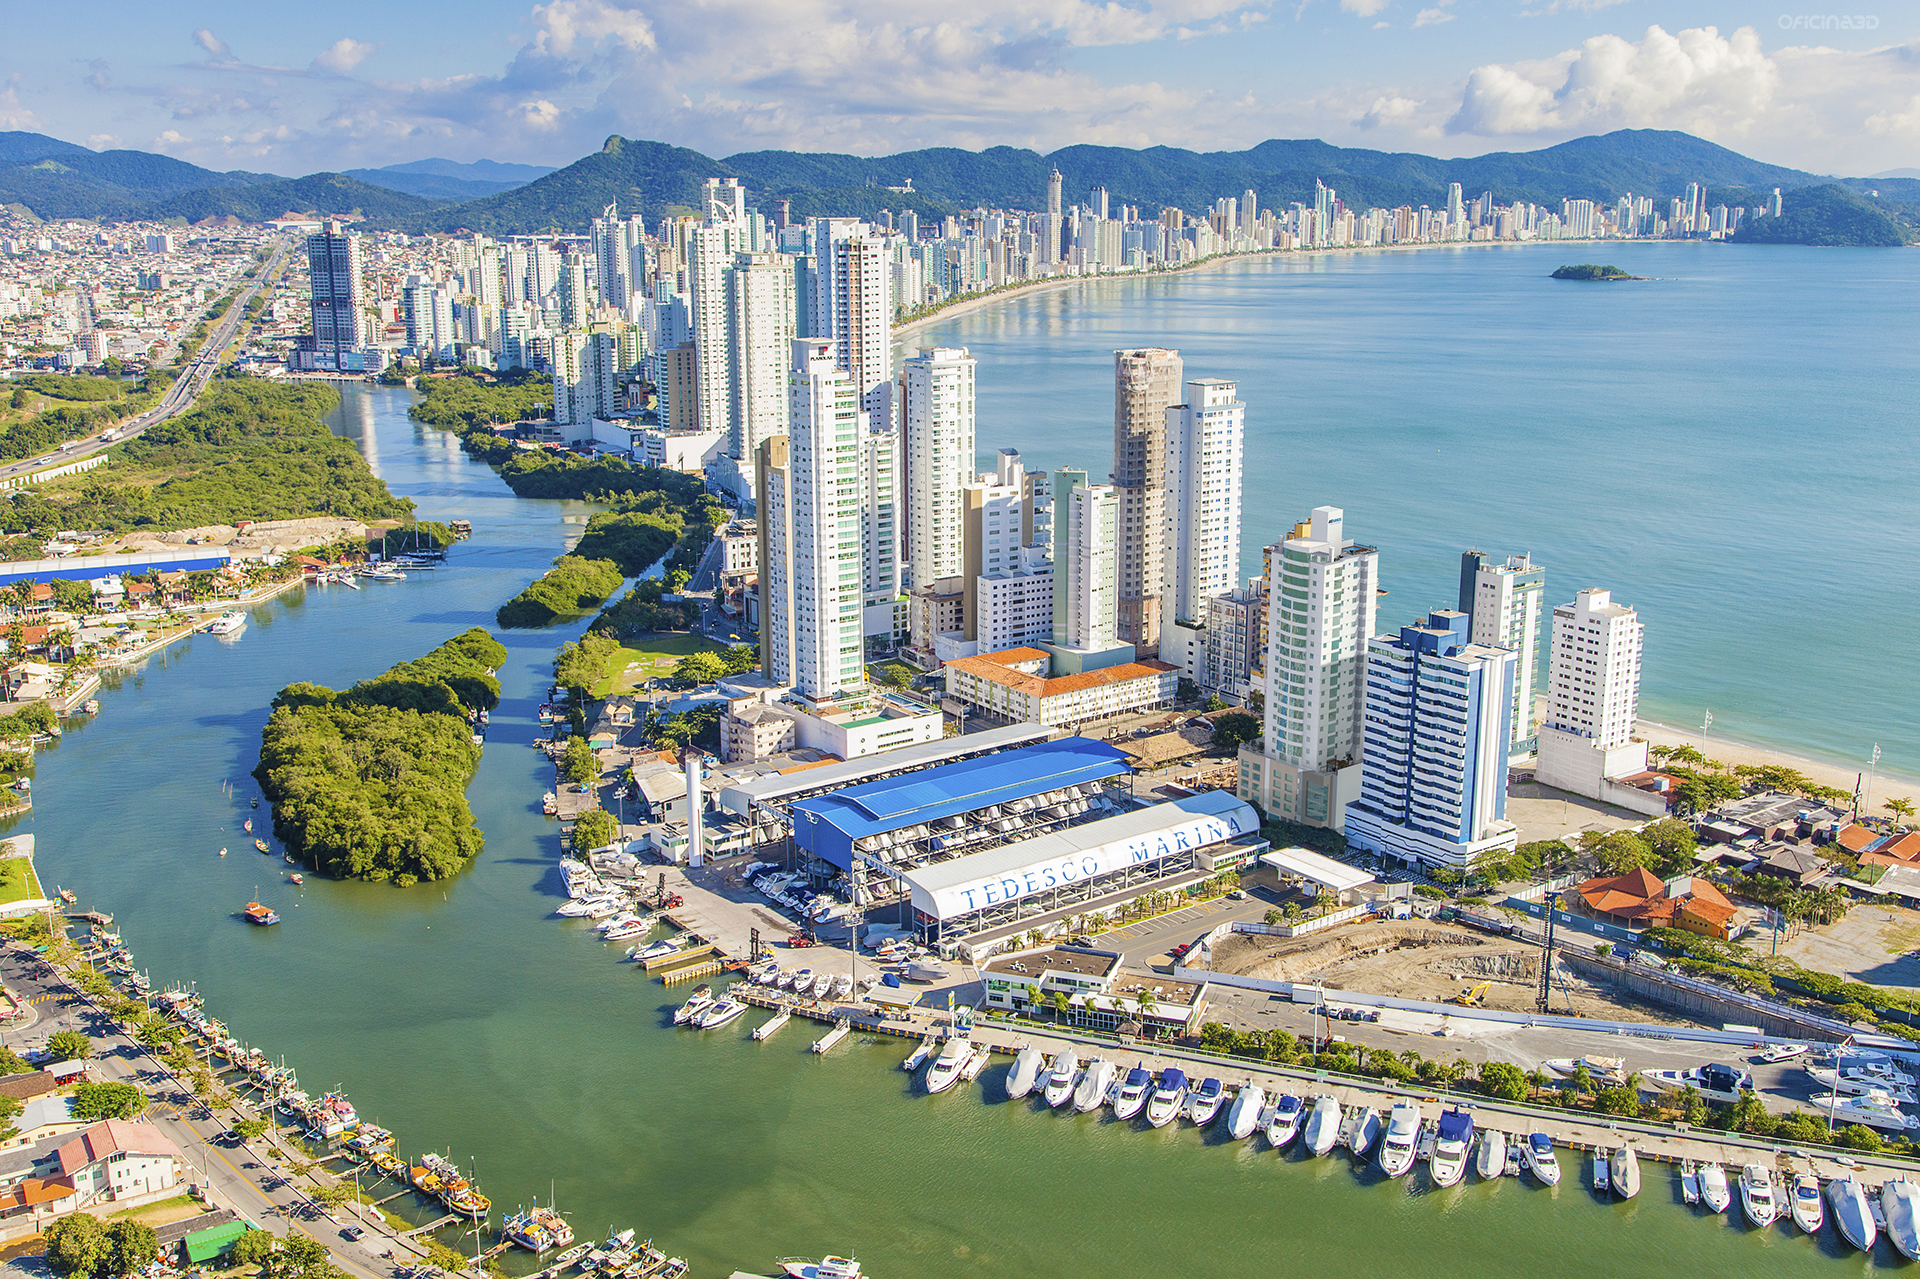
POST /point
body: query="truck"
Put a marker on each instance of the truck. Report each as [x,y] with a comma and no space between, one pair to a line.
[109,435]
[1495,924]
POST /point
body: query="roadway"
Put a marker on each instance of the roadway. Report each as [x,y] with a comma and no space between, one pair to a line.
[185,389]
[249,1179]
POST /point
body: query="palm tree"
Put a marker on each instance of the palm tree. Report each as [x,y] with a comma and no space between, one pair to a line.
[1901,808]
[1685,756]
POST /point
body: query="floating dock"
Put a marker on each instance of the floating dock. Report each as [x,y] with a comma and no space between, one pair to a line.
[767,1028]
[840,1031]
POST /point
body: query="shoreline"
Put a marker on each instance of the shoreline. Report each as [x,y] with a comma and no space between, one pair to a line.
[1886,784]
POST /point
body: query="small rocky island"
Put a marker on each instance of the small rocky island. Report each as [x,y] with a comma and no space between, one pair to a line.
[1591,271]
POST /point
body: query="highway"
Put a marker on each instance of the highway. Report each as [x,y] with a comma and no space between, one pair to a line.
[185,389]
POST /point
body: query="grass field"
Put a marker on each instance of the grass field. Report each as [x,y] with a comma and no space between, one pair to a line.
[17,883]
[650,658]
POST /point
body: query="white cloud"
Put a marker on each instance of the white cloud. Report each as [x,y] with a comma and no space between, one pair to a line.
[1569,6]
[540,114]
[1364,8]
[212,43]
[1388,111]
[343,55]
[102,141]
[1433,17]
[12,114]
[170,138]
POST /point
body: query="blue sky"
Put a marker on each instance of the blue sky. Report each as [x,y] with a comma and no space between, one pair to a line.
[353,84]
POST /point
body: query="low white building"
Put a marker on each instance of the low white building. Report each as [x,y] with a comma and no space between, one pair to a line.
[117,1160]
[870,724]
[1013,608]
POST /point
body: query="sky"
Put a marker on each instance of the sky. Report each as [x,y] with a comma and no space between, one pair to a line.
[357,84]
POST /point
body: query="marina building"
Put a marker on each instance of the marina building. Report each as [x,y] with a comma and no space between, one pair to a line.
[1085,987]
[1587,744]
[1503,603]
[1433,773]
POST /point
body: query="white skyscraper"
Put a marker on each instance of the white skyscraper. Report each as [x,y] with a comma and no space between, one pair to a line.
[857,275]
[1146,383]
[1086,531]
[939,427]
[1050,222]
[1319,619]
[1205,440]
[880,512]
[824,491]
[1504,602]
[573,292]
[1593,697]
[760,336]
[710,300]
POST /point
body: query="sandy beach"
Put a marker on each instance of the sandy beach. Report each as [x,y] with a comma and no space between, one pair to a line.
[1886,786]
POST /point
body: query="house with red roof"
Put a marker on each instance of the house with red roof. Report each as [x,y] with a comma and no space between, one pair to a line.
[119,1159]
[1641,899]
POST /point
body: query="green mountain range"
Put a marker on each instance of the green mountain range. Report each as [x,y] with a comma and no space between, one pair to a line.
[1833,216]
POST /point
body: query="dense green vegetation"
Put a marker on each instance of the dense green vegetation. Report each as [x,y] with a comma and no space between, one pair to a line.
[80,1246]
[1829,216]
[371,783]
[633,540]
[94,1102]
[472,401]
[248,450]
[573,586]
[1593,271]
[595,829]
[69,408]
[640,611]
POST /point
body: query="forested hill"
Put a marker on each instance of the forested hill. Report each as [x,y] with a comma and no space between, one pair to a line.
[1831,216]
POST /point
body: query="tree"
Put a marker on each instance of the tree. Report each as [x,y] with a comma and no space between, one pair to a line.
[699,668]
[1673,844]
[251,1249]
[68,1045]
[595,829]
[299,1257]
[1693,1106]
[1901,807]
[894,674]
[11,1063]
[1233,729]
[578,762]
[1504,1080]
[135,1246]
[1624,1102]
[78,1246]
[94,1102]
[1617,852]
[1685,757]
[1185,690]
[332,1195]
[251,1130]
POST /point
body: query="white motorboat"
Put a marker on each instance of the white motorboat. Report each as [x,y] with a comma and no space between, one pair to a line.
[1492,1160]
[571,909]
[824,1268]
[1714,1191]
[1363,1129]
[719,1014]
[1756,1196]
[842,986]
[1058,1089]
[609,904]
[1714,1082]
[1623,1171]
[1805,1205]
[1852,1212]
[227,623]
[1203,1103]
[1541,1161]
[918,1056]
[822,984]
[1600,1179]
[798,980]
[1402,1135]
[1871,1063]
[629,929]
[1602,1070]
[619,919]
[769,976]
[1165,1102]
[1243,1116]
[1026,1070]
[696,1004]
[1900,1201]
[1094,1082]
[1783,1052]
[945,1070]
[1323,1125]
[1283,1119]
[1451,1145]
[1875,1110]
[1689,1182]
[975,1064]
[1852,1081]
[1131,1098]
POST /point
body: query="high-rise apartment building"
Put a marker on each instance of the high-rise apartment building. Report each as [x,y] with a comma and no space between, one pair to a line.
[858,317]
[1146,383]
[714,246]
[997,526]
[1503,603]
[1205,440]
[1086,529]
[1433,787]
[937,388]
[1593,697]
[760,336]
[1320,616]
[574,303]
[885,613]
[337,293]
[1050,222]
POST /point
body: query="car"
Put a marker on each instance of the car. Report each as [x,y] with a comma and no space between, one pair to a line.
[1238,895]
[227,1138]
[354,1233]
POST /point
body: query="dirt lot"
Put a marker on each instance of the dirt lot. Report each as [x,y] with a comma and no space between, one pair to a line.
[1874,944]
[1415,959]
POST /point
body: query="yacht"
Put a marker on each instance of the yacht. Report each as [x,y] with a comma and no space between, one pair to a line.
[1403,1133]
[1900,1202]
[1537,1150]
[1756,1196]
[696,1004]
[1165,1102]
[1493,1154]
[1602,1070]
[1714,1191]
[619,920]
[1714,1082]
[633,926]
[719,1014]
[1203,1103]
[1875,1109]
[1623,1171]
[1783,1052]
[1094,1082]
[227,623]
[1243,1116]
[1853,1081]
[1451,1144]
[1323,1125]
[1132,1096]
[945,1070]
[1363,1129]
[1058,1089]
[1283,1120]
[1852,1212]
[1878,1065]
[1804,1203]
[1026,1069]
[824,1268]
[572,909]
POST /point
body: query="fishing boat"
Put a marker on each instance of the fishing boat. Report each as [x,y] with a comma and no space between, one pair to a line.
[945,1070]
[572,1256]
[1714,1082]
[1058,1088]
[247,826]
[1323,1125]
[1715,1193]
[1876,1110]
[1283,1119]
[696,1004]
[529,1232]
[1689,1182]
[719,1014]
[91,706]
[919,1055]
[1600,1179]
[261,915]
[1452,1142]
[66,894]
[1403,1133]
[261,844]
[824,1268]
[1203,1103]
[1782,1052]
[1020,1080]
[1243,1116]
[1900,1202]
[1852,1212]
[1131,1097]
[1166,1100]
[1541,1161]
[296,878]
[1492,1160]
[1363,1129]
[1095,1080]
[1623,1171]
[1804,1203]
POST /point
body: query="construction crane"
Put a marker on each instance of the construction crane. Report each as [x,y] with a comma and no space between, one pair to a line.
[1473,998]
[1546,960]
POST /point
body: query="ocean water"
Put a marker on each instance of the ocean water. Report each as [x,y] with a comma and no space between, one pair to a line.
[1732,447]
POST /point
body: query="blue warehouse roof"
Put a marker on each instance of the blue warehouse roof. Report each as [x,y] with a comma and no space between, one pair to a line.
[827,825]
